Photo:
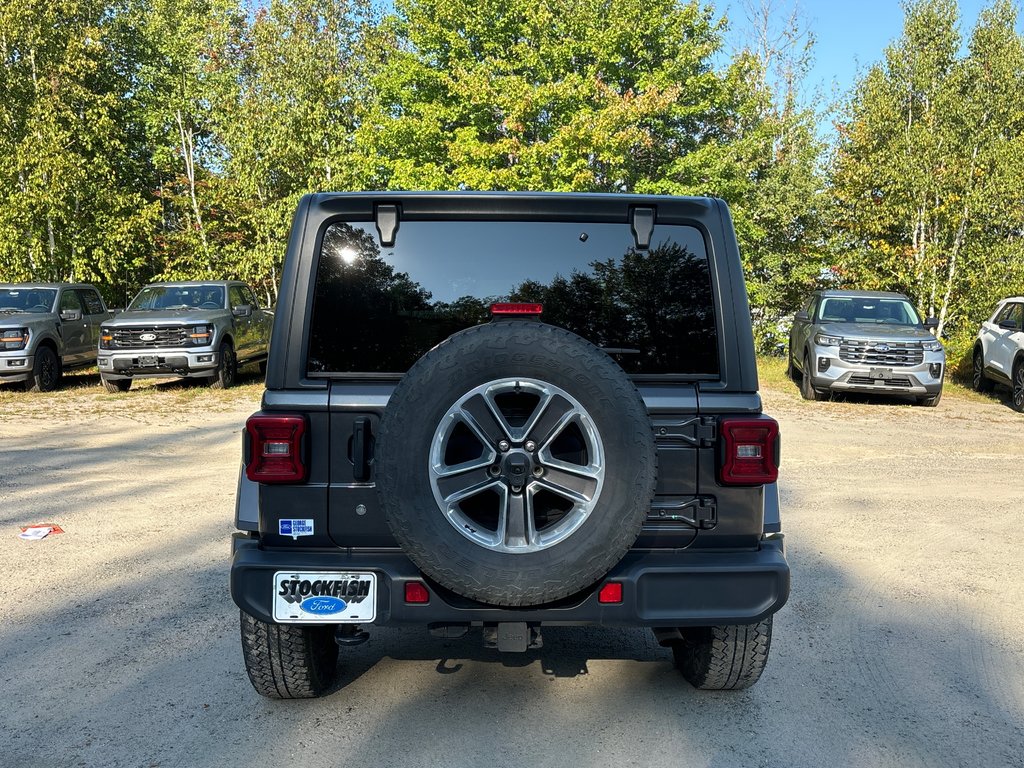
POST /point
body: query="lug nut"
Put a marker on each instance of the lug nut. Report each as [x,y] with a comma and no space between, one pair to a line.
[503,445]
[494,470]
[538,471]
[530,445]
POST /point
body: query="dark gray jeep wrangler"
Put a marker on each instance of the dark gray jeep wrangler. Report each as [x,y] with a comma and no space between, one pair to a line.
[500,412]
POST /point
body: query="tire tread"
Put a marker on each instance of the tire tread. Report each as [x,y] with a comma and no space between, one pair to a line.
[720,658]
[288,662]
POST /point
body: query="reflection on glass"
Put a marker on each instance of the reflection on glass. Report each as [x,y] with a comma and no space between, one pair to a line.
[651,310]
[33,300]
[178,297]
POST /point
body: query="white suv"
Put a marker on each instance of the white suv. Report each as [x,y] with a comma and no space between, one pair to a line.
[999,351]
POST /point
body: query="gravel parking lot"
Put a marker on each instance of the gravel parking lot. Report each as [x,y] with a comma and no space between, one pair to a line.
[902,643]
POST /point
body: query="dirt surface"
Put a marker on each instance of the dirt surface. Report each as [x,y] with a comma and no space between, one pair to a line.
[902,643]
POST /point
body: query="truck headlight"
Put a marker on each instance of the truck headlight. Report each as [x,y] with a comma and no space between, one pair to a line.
[13,338]
[932,346]
[201,335]
[106,338]
[828,341]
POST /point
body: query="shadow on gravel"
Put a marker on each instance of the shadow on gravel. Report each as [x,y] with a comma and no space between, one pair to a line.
[132,658]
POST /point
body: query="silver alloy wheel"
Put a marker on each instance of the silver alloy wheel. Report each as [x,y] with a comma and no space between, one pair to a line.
[979,371]
[516,465]
[1018,388]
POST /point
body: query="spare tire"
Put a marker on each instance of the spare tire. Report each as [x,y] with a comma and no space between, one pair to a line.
[515,463]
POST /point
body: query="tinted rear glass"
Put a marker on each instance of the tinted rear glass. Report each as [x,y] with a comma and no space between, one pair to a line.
[377,310]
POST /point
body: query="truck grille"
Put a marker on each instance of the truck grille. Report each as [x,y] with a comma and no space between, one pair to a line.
[881,352]
[132,338]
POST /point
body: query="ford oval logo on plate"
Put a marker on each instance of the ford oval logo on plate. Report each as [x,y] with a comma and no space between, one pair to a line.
[323,606]
[147,337]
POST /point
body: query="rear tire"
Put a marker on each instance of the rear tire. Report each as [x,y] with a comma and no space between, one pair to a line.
[285,661]
[116,385]
[723,658]
[807,390]
[46,371]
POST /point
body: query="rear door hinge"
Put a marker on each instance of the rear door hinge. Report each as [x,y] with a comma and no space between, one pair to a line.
[700,512]
[698,431]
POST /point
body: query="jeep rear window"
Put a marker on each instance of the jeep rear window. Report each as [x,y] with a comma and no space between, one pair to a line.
[378,309]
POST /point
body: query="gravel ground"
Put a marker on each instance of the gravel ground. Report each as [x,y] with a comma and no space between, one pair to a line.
[902,643]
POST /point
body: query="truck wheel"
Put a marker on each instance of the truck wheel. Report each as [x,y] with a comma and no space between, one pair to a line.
[807,390]
[979,383]
[930,402]
[285,661]
[45,372]
[116,385]
[227,369]
[1018,387]
[515,463]
[723,658]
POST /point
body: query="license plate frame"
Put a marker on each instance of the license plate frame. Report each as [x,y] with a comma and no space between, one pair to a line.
[357,590]
[883,374]
[148,361]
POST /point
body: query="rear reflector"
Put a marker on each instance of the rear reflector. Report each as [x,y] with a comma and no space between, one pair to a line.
[749,451]
[416,592]
[517,309]
[275,449]
[610,593]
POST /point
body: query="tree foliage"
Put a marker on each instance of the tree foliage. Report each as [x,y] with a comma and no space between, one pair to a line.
[923,173]
[154,139]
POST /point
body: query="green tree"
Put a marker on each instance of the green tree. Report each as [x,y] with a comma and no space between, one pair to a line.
[72,185]
[926,169]
[567,95]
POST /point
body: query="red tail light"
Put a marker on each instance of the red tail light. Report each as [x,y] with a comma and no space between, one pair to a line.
[749,451]
[517,309]
[275,449]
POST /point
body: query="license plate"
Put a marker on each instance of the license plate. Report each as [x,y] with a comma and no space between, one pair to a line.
[881,373]
[325,597]
[149,361]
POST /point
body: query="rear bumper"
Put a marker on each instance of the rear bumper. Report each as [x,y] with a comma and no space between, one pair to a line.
[668,589]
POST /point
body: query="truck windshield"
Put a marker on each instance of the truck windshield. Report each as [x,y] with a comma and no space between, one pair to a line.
[178,297]
[378,310]
[857,309]
[27,299]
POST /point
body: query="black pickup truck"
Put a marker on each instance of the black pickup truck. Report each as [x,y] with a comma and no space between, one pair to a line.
[496,412]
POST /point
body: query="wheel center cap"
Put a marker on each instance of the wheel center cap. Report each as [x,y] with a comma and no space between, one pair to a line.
[516,468]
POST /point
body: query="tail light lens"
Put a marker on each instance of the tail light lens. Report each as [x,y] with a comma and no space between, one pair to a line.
[749,451]
[275,449]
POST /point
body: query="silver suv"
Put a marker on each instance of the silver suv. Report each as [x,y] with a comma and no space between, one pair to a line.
[46,329]
[202,329]
[865,341]
[999,351]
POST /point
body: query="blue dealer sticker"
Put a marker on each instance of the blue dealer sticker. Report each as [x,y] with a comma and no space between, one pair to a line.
[323,606]
[295,528]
